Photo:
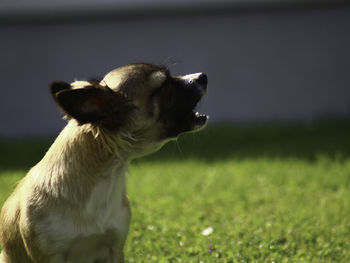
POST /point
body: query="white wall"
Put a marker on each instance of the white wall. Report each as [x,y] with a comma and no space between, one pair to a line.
[261,65]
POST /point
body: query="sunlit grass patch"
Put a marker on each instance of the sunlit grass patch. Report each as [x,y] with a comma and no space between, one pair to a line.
[264,210]
[8,182]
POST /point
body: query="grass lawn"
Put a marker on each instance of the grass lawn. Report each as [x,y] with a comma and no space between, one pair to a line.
[260,193]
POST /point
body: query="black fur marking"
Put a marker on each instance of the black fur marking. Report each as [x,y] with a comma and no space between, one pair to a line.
[177,101]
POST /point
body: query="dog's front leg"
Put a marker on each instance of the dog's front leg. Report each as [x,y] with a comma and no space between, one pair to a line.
[94,248]
[119,253]
[120,257]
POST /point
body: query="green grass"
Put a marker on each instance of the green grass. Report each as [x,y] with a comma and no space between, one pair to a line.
[271,193]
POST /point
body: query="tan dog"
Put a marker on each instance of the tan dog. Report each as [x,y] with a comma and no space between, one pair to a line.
[72,206]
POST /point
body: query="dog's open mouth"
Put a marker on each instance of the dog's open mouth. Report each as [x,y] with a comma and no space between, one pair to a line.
[199,120]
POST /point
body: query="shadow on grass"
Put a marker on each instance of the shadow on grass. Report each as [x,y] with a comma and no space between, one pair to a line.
[220,142]
[22,154]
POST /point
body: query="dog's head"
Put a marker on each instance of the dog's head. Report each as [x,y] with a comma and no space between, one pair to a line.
[141,99]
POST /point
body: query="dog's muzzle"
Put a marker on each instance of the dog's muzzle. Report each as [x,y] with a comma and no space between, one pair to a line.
[199,80]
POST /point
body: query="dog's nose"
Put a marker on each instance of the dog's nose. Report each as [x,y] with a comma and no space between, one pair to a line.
[198,80]
[202,79]
[202,82]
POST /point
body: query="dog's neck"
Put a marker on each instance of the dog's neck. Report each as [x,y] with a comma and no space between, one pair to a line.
[79,158]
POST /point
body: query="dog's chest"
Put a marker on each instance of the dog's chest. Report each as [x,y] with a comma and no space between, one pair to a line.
[105,209]
[105,204]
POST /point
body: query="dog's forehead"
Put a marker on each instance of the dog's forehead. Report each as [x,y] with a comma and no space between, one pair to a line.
[135,76]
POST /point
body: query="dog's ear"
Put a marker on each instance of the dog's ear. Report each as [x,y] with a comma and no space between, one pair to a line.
[91,104]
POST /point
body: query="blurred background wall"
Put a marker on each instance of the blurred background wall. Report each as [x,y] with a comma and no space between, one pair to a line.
[266,60]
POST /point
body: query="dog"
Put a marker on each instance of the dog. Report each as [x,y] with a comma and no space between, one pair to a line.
[72,206]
